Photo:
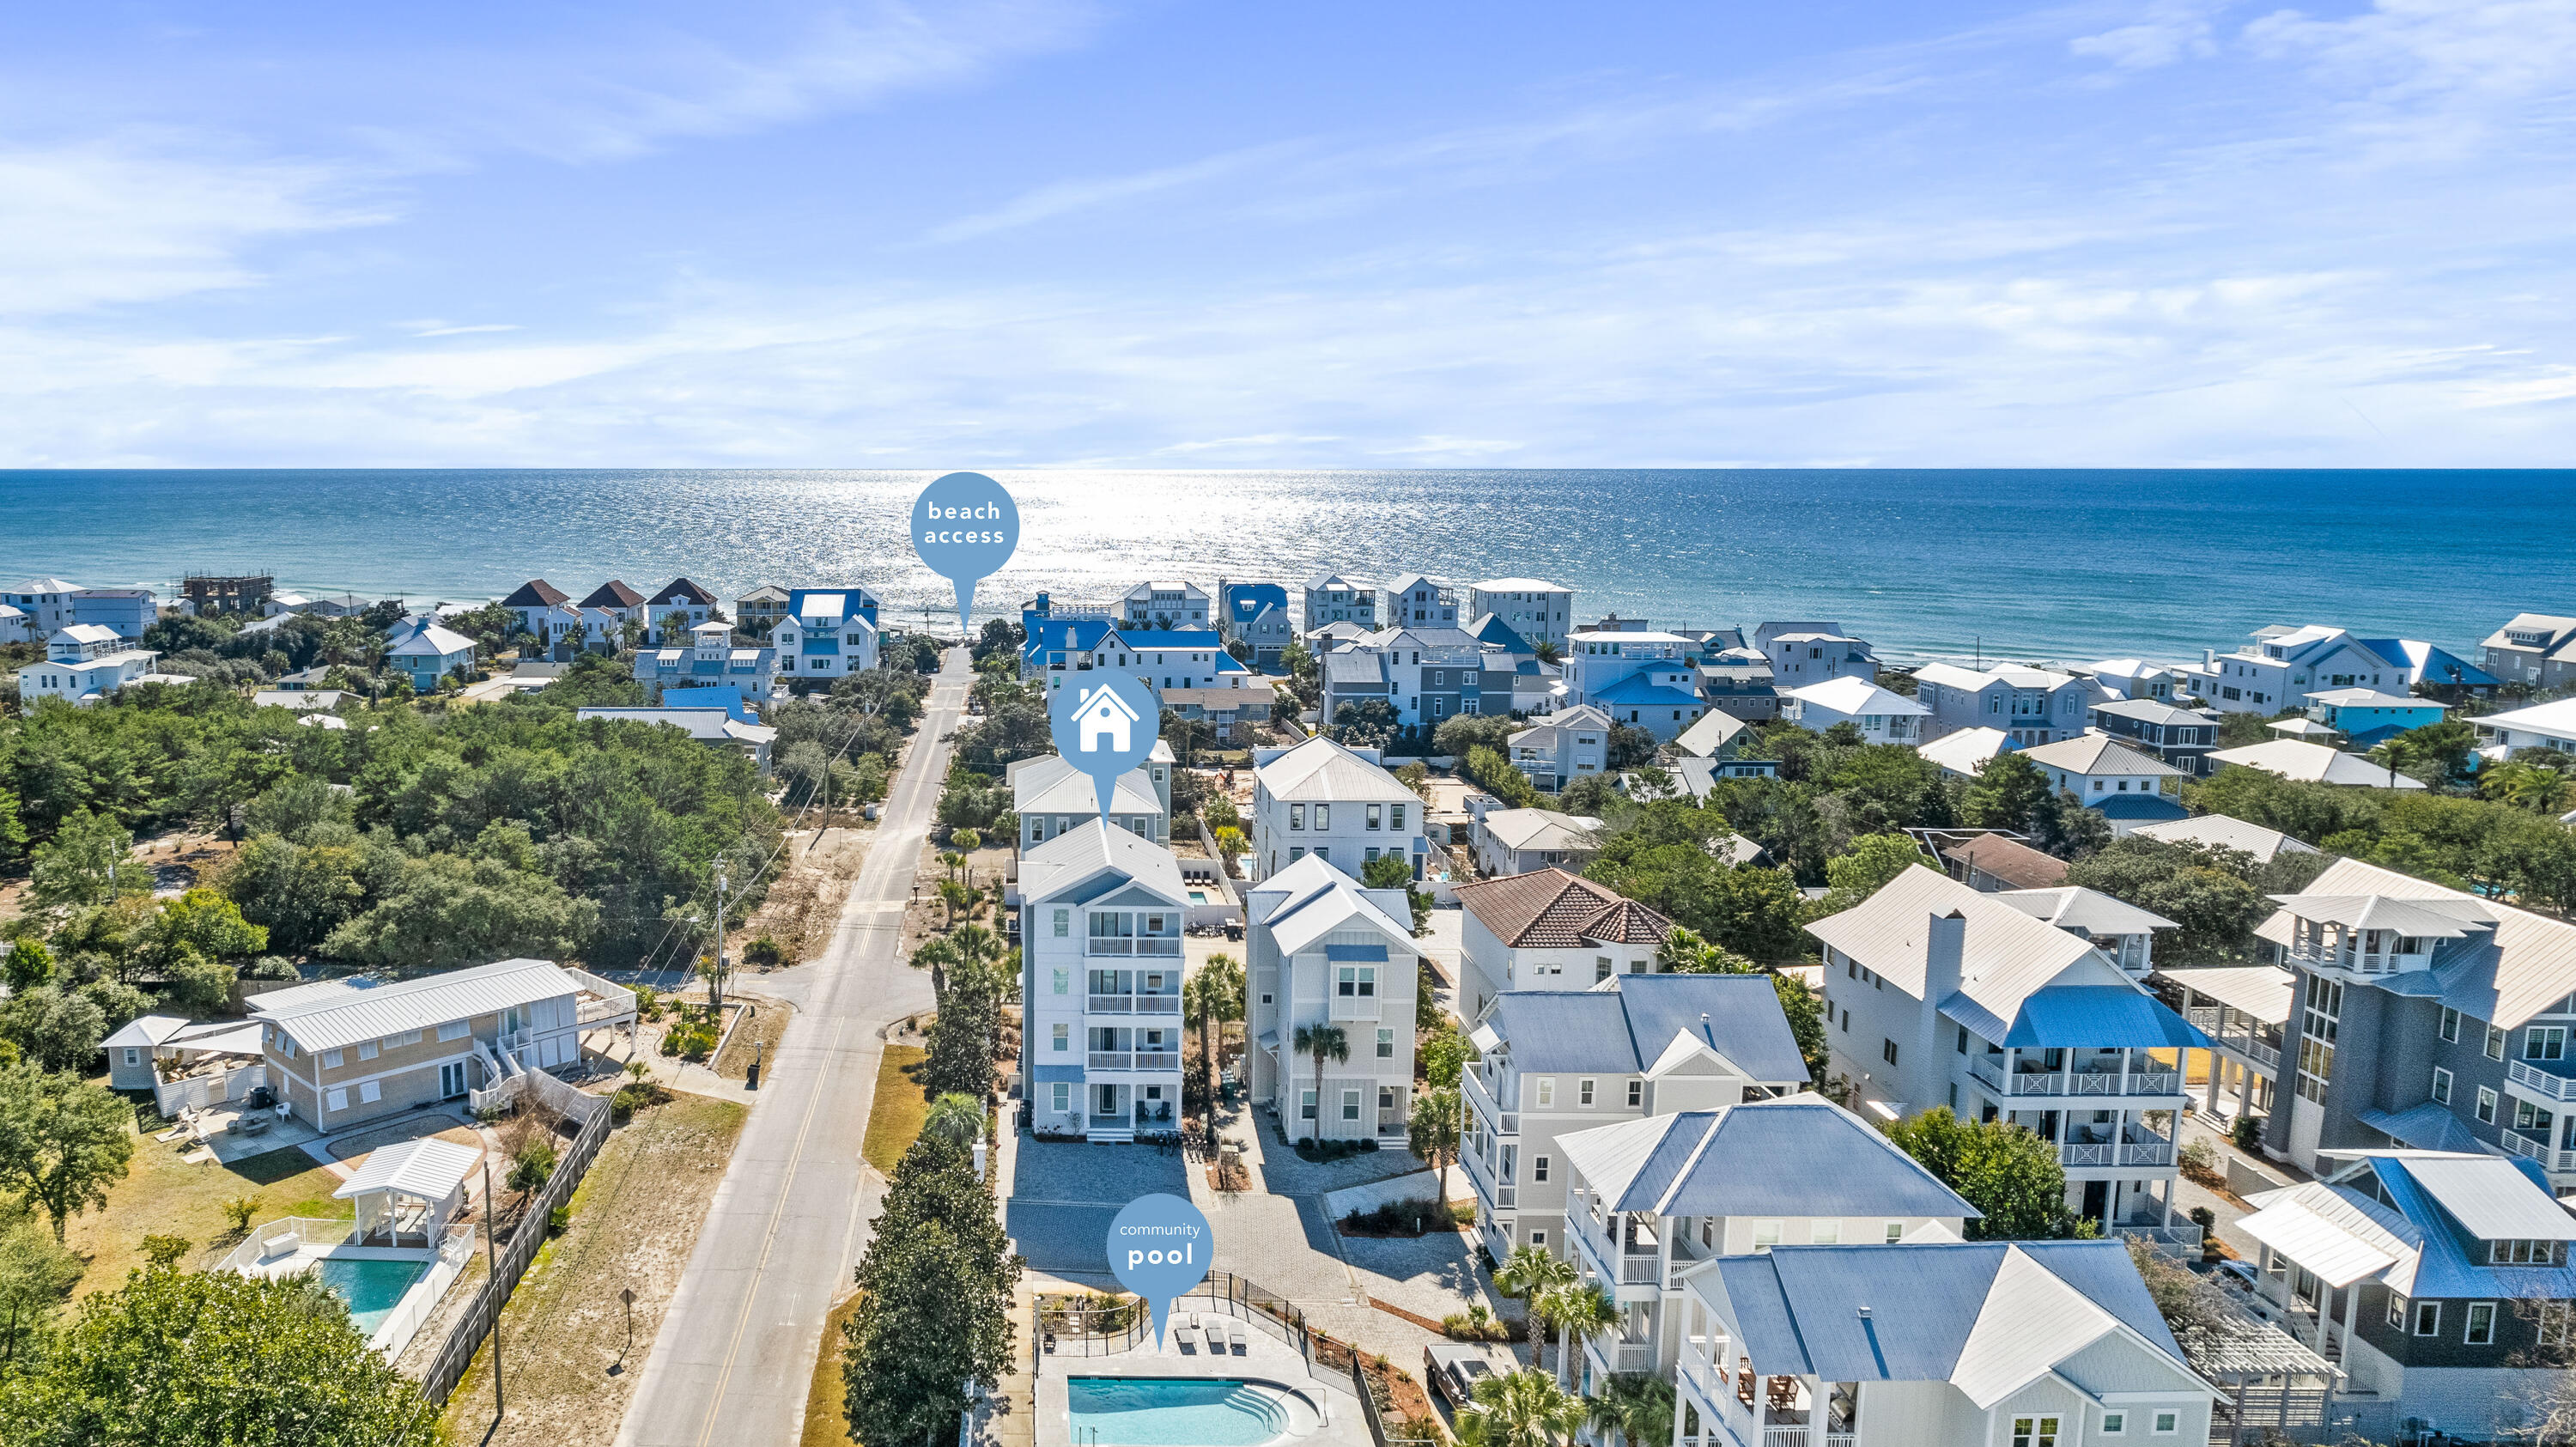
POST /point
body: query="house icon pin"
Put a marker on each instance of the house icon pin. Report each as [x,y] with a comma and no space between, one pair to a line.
[1102,711]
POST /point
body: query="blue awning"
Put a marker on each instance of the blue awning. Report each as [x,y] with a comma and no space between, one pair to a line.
[2080,1016]
[1355,952]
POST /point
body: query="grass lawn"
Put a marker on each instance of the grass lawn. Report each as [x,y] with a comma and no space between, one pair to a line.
[160,1196]
[895,1116]
[827,1422]
[635,1219]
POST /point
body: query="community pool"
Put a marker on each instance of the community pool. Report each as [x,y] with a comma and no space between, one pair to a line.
[372,1288]
[1183,1412]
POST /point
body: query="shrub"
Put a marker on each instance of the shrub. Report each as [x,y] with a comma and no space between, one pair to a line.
[558,1218]
[2199,1159]
[165,1251]
[765,952]
[2247,1133]
[648,1003]
[237,1213]
[693,1041]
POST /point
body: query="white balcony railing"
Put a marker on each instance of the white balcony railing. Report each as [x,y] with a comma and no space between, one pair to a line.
[2552,1161]
[1133,1004]
[2117,1153]
[1499,1195]
[1497,1119]
[1158,1060]
[1113,1059]
[2540,1082]
[1145,945]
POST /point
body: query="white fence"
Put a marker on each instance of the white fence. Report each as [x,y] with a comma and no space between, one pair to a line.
[197,1092]
[397,1330]
[282,1238]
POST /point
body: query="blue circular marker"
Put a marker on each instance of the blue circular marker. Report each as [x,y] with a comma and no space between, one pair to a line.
[1105,722]
[1159,1248]
[965,527]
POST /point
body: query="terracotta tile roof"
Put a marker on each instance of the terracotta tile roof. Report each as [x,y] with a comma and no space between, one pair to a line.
[2014,863]
[1552,909]
[612,594]
[537,593]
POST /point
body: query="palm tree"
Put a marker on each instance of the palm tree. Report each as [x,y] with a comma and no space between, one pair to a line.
[1213,997]
[1531,1272]
[976,944]
[956,1118]
[1321,1042]
[1636,1405]
[954,860]
[1438,1119]
[954,897]
[1520,1409]
[1581,1314]
[2399,754]
[936,955]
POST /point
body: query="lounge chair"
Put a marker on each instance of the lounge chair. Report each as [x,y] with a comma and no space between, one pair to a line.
[1215,1340]
[1234,1334]
[1188,1347]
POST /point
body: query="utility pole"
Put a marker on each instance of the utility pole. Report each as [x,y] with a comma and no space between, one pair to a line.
[715,980]
[492,1269]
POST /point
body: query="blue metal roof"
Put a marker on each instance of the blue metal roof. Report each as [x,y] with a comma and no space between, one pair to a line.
[1061,635]
[855,603]
[1627,1029]
[727,696]
[1783,1158]
[1244,601]
[2427,1127]
[2446,1268]
[2152,808]
[2079,1016]
[1197,638]
[1638,691]
[1498,634]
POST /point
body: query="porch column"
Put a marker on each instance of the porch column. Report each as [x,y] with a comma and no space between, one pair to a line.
[2244,1090]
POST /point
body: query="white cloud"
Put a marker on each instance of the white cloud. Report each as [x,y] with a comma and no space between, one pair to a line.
[2170,31]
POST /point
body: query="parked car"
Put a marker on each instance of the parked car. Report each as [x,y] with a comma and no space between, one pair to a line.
[1454,1368]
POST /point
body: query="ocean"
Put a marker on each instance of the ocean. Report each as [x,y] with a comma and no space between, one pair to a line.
[2063,566]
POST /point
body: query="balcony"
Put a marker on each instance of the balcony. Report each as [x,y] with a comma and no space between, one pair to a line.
[2551,1161]
[1133,1004]
[1498,1195]
[1623,1356]
[2540,1082]
[1135,1060]
[1496,1119]
[1113,1059]
[1099,945]
[2028,1078]
[2139,1148]
[1355,1007]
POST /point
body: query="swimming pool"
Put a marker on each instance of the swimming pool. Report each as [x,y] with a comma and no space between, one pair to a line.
[1183,1412]
[371,1288]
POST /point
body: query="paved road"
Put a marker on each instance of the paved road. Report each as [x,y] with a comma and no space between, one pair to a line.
[735,1354]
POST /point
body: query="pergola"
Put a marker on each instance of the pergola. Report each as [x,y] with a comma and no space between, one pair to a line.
[2267,1378]
[406,1193]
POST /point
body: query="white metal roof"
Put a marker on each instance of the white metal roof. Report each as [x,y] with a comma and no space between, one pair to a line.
[2262,991]
[1967,750]
[2324,1232]
[1052,785]
[429,1168]
[339,1013]
[1518,829]
[1320,769]
[2315,764]
[2224,832]
[1093,848]
[1313,900]
[2100,754]
[2073,907]
[145,1030]
[1855,697]
[2372,911]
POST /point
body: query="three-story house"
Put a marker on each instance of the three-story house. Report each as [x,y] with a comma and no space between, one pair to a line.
[1100,984]
[1322,799]
[1323,954]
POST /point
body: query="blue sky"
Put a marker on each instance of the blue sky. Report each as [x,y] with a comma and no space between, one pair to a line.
[1335,235]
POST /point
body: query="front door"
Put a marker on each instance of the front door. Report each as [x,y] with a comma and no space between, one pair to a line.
[451,1080]
[2097,1199]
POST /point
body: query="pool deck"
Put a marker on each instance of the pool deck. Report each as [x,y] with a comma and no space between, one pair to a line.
[1265,1359]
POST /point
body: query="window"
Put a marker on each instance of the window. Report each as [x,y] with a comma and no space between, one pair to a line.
[369,1093]
[1063,923]
[1887,1051]
[336,1100]
[2523,1253]
[2034,1432]
[2428,1318]
[2396,1310]
[1061,1097]
[1583,1090]
[2114,1423]
[1766,1234]
[1963,1039]
[2486,1106]
[1063,1038]
[366,1050]
[1386,1045]
[1538,1238]
[1636,1094]
[1063,983]
[2167,1422]
[408,1037]
[1374,812]
[1600,968]
[454,1029]
[2481,1328]
[1350,1105]
[2450,1023]
[1305,1105]
[1546,1091]
[1323,816]
[2544,1042]
[2317,1029]
[1395,816]
[1386,1097]
[1825,1233]
[1296,816]
[2495,1043]
[2533,1120]
[1538,1168]
[133,1056]
[2441,1085]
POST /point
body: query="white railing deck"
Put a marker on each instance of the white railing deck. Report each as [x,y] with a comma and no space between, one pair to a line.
[2540,1082]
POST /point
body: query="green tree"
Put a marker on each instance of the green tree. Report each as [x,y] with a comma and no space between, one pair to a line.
[2064,827]
[195,985]
[1629,747]
[961,1039]
[2008,792]
[1582,1313]
[444,911]
[1322,1043]
[1534,1274]
[1213,996]
[1637,1406]
[934,1303]
[214,1359]
[37,1274]
[1805,1010]
[30,964]
[62,1141]
[206,922]
[955,1118]
[54,1027]
[1497,777]
[1395,871]
[1683,952]
[2003,1170]
[938,955]
[1588,796]
[300,893]
[1438,1118]
[1519,1409]
[1872,861]
[2210,893]
[1748,909]
[90,860]
[1445,1054]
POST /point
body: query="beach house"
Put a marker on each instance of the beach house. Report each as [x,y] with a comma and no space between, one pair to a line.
[758,611]
[1051,798]
[1534,608]
[2282,665]
[1964,754]
[2123,784]
[2134,678]
[2218,831]
[1100,984]
[2316,764]
[1567,746]
[85,663]
[126,612]
[2550,725]
[1171,658]
[1882,717]
[1990,1343]
[1323,799]
[710,661]
[2439,1280]
[47,602]
[2181,737]
[1335,598]
[1939,995]
[2031,705]
[1518,841]
[1639,677]
[713,723]
[2369,717]
[1737,682]
[1651,1201]
[1808,653]
[1329,963]
[347,1051]
[546,612]
[1175,604]
[1416,601]
[1427,675]
[1551,1064]
[2538,649]
[680,606]
[1549,930]
[423,652]
[827,635]
[1256,615]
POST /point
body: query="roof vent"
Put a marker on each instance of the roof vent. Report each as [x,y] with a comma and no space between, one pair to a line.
[1864,1313]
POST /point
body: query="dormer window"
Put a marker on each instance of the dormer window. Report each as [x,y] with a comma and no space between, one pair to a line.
[2527,1253]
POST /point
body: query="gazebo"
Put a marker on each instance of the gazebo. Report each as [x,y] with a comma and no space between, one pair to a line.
[406,1193]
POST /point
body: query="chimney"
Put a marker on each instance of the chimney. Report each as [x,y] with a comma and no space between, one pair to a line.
[1945,944]
[2209,658]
